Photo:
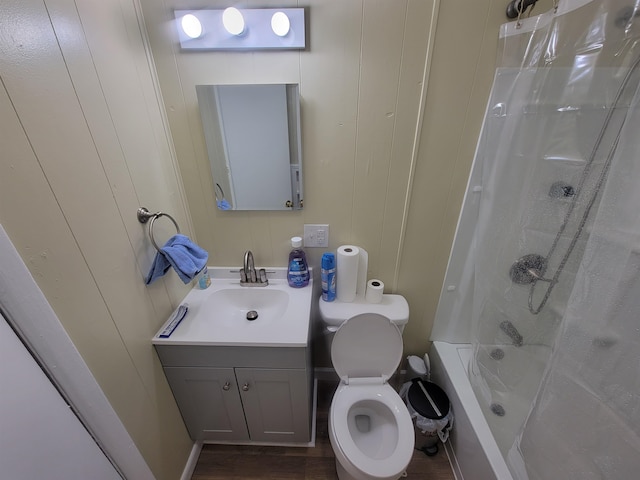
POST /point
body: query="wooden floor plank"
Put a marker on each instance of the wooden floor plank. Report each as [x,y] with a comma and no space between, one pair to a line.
[235,462]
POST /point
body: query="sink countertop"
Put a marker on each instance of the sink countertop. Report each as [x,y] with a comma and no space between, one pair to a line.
[201,327]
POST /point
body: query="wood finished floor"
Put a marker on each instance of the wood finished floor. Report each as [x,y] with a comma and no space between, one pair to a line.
[231,462]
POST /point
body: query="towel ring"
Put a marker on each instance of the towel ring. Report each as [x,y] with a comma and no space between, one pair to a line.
[143,217]
[218,187]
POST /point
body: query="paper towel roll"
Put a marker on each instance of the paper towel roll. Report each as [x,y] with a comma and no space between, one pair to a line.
[347,261]
[375,289]
[363,266]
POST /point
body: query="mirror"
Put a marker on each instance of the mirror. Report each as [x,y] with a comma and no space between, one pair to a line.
[253,142]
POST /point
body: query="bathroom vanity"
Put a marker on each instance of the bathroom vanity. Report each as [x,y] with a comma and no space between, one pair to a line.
[241,380]
[258,394]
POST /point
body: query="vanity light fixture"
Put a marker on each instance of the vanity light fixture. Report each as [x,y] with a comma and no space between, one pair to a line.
[191,26]
[280,24]
[233,21]
[241,29]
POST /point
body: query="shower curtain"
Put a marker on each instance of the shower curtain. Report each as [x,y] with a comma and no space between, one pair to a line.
[556,301]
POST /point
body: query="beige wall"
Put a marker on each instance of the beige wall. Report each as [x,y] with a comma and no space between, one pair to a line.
[360,82]
[85,143]
[461,75]
[385,166]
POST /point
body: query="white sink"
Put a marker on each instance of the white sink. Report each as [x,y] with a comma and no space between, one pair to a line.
[229,314]
[232,306]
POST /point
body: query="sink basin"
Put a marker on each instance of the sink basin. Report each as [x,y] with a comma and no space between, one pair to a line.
[230,307]
[229,314]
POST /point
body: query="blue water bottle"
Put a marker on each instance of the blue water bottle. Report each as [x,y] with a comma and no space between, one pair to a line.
[328,277]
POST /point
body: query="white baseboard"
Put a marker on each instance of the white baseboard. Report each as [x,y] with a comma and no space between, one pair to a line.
[453,461]
[192,461]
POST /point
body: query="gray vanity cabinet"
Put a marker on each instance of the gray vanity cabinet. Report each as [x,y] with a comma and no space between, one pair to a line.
[275,404]
[209,401]
[241,394]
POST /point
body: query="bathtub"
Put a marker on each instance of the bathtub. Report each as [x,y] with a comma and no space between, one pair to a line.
[472,450]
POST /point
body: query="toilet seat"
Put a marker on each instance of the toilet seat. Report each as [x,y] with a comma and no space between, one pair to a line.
[352,458]
[368,345]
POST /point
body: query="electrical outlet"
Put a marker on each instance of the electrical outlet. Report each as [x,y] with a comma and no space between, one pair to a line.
[316,236]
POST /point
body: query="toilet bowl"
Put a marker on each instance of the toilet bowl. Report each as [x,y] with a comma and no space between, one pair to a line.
[370,429]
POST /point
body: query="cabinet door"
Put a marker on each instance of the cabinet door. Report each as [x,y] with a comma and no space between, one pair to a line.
[276,404]
[209,401]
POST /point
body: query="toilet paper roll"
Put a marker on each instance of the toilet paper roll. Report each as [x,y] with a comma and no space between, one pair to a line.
[347,261]
[375,289]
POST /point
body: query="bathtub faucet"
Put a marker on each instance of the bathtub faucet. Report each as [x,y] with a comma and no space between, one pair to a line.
[511,331]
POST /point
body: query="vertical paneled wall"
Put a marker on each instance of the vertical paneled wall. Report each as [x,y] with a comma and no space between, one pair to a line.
[362,79]
[83,145]
[388,131]
[461,74]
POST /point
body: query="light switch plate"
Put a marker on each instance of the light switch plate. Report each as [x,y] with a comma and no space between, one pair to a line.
[316,236]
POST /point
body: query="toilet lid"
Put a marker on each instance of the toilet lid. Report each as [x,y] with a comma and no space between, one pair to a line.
[367,345]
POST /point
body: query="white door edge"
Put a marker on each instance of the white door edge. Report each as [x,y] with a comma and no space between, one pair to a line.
[32,317]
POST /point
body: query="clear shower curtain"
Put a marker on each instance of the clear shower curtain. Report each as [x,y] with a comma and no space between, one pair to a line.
[556,308]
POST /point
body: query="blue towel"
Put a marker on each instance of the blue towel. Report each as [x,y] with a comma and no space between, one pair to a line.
[186,258]
[223,204]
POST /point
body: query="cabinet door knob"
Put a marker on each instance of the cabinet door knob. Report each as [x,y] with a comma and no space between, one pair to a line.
[245,387]
[226,386]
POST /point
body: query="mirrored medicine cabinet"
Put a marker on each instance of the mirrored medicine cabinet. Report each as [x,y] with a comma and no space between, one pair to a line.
[252,133]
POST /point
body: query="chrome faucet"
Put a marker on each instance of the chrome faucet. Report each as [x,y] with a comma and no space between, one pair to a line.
[248,275]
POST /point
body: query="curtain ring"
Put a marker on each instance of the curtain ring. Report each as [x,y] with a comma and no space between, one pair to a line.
[519,5]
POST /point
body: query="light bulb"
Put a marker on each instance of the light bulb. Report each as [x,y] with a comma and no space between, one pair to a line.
[280,24]
[233,21]
[191,26]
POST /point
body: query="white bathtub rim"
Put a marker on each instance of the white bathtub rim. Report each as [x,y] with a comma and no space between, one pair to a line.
[452,361]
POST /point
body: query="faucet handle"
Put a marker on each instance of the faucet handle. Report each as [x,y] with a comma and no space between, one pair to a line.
[243,276]
[263,276]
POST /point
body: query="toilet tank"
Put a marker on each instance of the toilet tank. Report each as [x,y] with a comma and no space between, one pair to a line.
[394,307]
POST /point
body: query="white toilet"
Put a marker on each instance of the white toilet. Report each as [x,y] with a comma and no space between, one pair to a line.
[370,429]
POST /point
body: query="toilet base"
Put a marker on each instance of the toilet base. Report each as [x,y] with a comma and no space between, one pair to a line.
[342,473]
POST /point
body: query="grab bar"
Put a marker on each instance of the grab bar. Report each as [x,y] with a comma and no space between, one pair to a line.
[143,217]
